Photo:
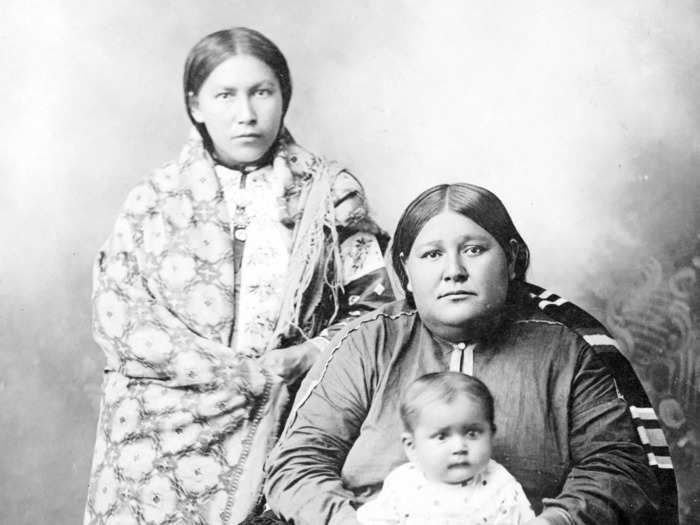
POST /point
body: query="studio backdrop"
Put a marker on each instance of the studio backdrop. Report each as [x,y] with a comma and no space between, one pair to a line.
[584,117]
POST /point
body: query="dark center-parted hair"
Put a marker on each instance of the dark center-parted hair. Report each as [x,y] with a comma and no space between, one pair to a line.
[216,48]
[471,201]
[443,387]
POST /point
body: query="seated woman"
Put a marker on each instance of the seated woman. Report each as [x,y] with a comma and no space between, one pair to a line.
[225,273]
[565,431]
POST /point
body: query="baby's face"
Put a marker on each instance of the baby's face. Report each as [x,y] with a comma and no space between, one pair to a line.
[451,442]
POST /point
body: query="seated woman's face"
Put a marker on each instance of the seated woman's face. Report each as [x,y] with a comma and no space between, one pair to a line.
[240,103]
[458,274]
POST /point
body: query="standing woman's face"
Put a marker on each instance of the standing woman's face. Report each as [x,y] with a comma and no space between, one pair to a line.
[240,103]
[458,273]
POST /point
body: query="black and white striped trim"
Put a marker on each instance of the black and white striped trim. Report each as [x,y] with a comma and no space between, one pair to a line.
[594,334]
[652,437]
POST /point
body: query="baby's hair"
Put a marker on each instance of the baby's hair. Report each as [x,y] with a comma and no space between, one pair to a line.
[443,387]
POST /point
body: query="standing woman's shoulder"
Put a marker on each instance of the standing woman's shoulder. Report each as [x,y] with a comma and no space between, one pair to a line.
[352,211]
[156,191]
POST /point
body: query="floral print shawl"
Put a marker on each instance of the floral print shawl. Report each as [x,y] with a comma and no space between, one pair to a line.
[188,415]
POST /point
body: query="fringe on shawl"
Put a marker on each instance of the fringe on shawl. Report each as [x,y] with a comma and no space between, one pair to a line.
[315,246]
[315,250]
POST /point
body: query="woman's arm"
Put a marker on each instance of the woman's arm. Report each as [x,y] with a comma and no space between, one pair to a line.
[304,471]
[610,480]
[384,509]
[642,412]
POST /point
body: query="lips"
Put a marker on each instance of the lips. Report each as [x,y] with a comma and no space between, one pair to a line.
[456,293]
[247,136]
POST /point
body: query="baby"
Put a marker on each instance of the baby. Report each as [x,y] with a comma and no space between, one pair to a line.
[448,420]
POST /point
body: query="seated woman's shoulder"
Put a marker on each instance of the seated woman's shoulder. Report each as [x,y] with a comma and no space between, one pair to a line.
[549,317]
[547,306]
[389,313]
[396,317]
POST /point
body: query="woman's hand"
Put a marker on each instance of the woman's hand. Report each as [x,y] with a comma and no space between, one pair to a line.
[292,362]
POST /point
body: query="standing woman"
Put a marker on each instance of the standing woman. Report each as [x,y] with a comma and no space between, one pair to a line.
[225,273]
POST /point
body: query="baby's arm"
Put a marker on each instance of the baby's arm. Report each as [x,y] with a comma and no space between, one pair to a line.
[384,508]
[514,507]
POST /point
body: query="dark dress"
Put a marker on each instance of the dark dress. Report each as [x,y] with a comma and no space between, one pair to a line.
[564,430]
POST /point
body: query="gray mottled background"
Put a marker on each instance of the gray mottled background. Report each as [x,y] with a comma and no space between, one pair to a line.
[584,116]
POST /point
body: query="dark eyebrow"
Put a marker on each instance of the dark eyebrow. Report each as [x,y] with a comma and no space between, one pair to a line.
[264,83]
[481,238]
[252,87]
[465,238]
[428,244]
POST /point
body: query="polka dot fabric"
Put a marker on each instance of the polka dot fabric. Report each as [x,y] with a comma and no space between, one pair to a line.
[492,497]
